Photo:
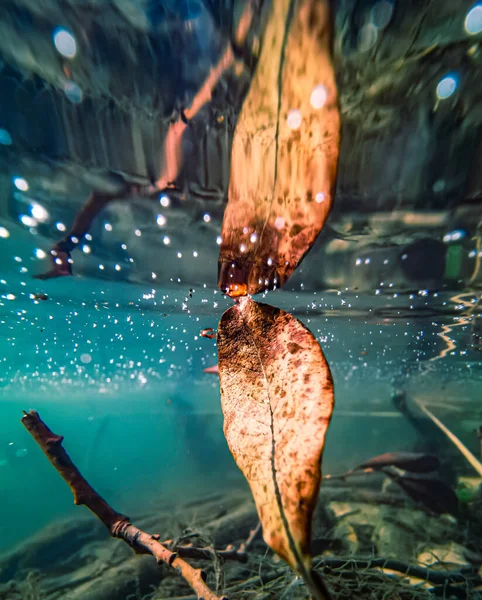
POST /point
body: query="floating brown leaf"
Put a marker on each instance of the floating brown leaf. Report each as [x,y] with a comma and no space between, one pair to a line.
[277,400]
[285,152]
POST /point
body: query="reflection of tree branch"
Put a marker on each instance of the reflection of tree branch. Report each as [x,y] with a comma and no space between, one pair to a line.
[117,524]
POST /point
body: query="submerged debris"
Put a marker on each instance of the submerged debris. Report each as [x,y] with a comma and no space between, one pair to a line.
[365,550]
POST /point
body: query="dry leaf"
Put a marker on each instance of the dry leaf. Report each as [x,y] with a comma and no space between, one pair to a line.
[282,177]
[277,400]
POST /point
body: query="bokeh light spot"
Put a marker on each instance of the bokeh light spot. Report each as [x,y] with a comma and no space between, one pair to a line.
[367,37]
[381,13]
[473,20]
[294,118]
[20,183]
[319,96]
[39,212]
[73,92]
[85,358]
[447,86]
[65,42]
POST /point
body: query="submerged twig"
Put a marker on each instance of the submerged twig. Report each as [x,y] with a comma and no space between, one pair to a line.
[477,465]
[253,536]
[229,553]
[117,524]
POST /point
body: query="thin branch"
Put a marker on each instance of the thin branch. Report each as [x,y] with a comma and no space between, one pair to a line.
[187,551]
[253,536]
[117,524]
[477,465]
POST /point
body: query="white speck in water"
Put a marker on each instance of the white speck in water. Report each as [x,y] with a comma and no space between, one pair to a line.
[20,183]
[294,118]
[447,86]
[319,96]
[65,42]
[473,20]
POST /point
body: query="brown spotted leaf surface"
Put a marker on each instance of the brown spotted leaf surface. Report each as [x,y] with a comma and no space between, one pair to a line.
[277,400]
[282,179]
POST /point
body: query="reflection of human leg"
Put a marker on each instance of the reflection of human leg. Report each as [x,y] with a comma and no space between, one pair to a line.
[173,144]
[60,253]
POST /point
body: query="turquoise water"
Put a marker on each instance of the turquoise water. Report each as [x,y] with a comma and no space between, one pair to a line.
[117,121]
[117,369]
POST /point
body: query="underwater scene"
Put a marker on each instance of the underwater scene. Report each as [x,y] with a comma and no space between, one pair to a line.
[240,299]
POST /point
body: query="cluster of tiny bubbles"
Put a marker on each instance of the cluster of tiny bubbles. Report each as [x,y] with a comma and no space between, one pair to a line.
[67,343]
[93,340]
